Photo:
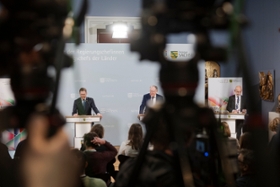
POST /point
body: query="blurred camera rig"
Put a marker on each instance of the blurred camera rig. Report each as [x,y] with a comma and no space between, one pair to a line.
[207,160]
[33,35]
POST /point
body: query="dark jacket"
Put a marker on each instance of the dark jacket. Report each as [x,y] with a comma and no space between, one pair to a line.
[231,103]
[157,170]
[145,99]
[79,108]
[97,161]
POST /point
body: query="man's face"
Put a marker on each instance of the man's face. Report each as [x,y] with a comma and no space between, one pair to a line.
[83,94]
[237,91]
[153,91]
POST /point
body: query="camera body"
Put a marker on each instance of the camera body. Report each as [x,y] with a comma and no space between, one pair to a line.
[30,43]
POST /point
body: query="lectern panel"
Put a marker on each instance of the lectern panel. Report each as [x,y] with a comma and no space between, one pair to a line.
[81,129]
[231,121]
[230,116]
[82,125]
[232,126]
[77,142]
[74,119]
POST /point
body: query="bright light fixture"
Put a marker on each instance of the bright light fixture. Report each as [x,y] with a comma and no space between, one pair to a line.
[120,30]
[119,34]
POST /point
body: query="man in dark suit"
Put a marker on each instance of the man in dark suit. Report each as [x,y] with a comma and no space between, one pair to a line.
[84,104]
[151,97]
[236,102]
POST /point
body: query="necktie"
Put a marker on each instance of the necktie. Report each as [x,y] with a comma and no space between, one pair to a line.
[237,103]
[84,104]
[153,100]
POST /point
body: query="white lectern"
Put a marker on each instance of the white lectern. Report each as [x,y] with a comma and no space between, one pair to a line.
[82,125]
[231,118]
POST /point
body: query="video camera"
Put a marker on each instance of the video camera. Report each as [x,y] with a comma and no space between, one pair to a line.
[33,34]
[160,18]
[179,81]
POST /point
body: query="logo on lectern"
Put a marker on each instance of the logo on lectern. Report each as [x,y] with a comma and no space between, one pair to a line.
[174,54]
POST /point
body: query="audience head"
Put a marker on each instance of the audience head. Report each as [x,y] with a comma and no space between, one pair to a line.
[274,124]
[226,129]
[246,141]
[88,137]
[135,135]
[98,129]
[246,160]
[80,159]
[161,138]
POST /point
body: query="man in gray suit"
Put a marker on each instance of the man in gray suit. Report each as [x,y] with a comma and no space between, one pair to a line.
[84,105]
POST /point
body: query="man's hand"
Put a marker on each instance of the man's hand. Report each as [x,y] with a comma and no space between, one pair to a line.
[140,116]
[100,115]
[47,161]
[75,114]
[98,141]
[234,111]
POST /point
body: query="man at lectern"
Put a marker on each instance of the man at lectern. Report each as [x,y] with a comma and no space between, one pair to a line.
[151,97]
[236,103]
[84,104]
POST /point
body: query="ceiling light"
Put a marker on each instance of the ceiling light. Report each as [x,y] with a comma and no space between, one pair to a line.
[120,29]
